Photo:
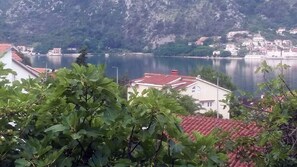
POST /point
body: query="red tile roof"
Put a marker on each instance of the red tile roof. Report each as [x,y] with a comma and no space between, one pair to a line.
[4,47]
[205,125]
[16,57]
[40,70]
[158,79]
[294,49]
[176,81]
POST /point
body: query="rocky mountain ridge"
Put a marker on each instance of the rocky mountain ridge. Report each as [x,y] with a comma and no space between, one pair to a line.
[134,24]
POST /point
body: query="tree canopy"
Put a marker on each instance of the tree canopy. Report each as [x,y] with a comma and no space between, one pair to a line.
[211,75]
[82,58]
[79,119]
[276,114]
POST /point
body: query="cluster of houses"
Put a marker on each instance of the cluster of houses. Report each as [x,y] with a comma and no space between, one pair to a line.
[255,45]
[258,47]
[282,30]
[29,51]
[207,94]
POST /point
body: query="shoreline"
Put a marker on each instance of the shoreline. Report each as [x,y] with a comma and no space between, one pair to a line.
[208,57]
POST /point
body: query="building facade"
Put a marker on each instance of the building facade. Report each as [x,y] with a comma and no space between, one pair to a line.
[11,60]
[207,94]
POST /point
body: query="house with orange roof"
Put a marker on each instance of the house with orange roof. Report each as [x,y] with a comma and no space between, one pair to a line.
[201,40]
[11,60]
[207,94]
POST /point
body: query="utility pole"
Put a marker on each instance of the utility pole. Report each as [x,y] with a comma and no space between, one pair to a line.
[218,80]
[46,71]
[117,73]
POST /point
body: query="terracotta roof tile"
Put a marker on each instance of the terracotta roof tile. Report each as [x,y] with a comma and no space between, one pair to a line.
[158,79]
[205,125]
[4,47]
[16,57]
[294,49]
[40,70]
[176,81]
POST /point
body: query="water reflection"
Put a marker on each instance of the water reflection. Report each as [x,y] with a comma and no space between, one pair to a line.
[242,71]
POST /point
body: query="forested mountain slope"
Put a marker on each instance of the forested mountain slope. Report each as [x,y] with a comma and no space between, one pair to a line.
[134,24]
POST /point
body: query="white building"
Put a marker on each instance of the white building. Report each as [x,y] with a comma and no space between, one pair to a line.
[281,31]
[258,40]
[9,57]
[273,54]
[293,31]
[55,52]
[290,53]
[232,48]
[26,50]
[207,94]
[216,53]
[231,34]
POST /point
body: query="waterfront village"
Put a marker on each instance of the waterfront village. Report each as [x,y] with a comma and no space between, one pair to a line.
[248,45]
[239,44]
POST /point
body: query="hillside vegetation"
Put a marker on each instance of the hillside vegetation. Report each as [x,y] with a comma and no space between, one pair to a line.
[135,25]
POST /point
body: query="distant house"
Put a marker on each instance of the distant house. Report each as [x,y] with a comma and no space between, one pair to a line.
[55,52]
[281,31]
[26,50]
[216,53]
[13,61]
[201,40]
[232,48]
[293,31]
[290,53]
[231,34]
[287,43]
[207,94]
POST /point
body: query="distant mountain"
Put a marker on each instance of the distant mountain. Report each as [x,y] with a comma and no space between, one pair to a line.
[134,24]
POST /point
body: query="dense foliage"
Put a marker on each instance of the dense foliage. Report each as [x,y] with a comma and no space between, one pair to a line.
[211,75]
[183,49]
[276,113]
[185,101]
[82,57]
[79,119]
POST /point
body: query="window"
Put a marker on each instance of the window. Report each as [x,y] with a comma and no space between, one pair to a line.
[193,89]
[209,104]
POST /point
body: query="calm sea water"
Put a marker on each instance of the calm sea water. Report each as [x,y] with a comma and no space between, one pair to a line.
[135,65]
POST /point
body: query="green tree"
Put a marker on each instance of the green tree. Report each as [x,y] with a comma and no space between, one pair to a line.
[225,54]
[80,120]
[187,102]
[208,42]
[82,58]
[202,51]
[173,49]
[276,114]
[212,113]
[209,74]
[242,52]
